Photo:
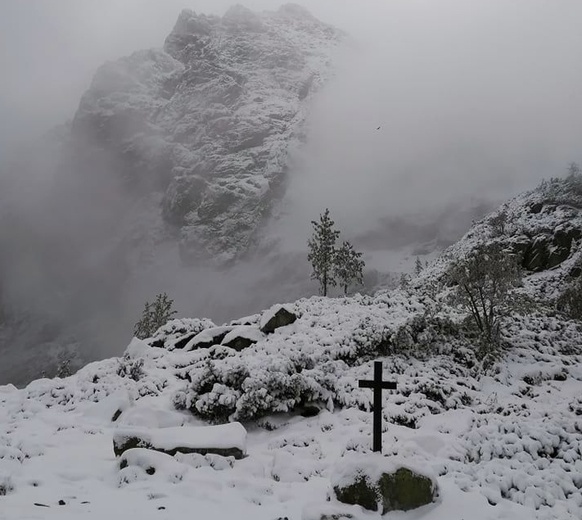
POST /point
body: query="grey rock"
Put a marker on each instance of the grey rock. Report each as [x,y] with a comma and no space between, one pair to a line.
[401,490]
[207,338]
[242,337]
[280,318]
[208,121]
[548,249]
[183,341]
[536,255]
[240,343]
[405,490]
[360,492]
[122,444]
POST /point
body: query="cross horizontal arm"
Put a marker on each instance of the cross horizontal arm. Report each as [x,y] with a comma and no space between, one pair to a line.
[387,385]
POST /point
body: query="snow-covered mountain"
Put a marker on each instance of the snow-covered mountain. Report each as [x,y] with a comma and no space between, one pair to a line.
[503,439]
[175,157]
[210,120]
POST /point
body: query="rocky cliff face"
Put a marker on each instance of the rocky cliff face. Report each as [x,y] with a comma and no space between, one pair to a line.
[208,122]
[542,228]
[175,156]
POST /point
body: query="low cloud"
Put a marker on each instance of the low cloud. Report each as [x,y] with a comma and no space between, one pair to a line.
[434,106]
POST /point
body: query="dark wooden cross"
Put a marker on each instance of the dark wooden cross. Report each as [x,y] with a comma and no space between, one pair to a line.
[377,385]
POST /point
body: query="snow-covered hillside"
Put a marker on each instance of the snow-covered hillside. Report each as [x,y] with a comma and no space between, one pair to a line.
[503,440]
[503,444]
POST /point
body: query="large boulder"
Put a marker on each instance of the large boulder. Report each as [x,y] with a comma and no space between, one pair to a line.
[208,122]
[208,338]
[227,440]
[242,337]
[178,332]
[548,250]
[383,485]
[276,317]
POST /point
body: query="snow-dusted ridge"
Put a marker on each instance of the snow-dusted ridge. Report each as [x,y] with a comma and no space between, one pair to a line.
[173,161]
[502,442]
[209,121]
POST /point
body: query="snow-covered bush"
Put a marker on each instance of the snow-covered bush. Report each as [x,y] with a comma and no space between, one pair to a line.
[132,368]
[6,485]
[570,301]
[483,284]
[285,371]
[226,389]
[566,190]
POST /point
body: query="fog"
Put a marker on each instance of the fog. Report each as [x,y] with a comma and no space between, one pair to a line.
[443,102]
[436,107]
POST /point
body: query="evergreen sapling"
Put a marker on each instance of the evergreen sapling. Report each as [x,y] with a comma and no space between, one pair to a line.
[322,251]
[348,266]
[154,316]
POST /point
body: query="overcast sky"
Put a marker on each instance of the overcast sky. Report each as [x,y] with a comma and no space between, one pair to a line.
[436,102]
[453,83]
[49,49]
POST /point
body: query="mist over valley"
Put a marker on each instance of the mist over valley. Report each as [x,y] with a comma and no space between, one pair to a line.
[145,151]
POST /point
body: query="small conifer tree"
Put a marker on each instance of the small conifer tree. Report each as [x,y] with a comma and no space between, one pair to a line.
[348,266]
[574,169]
[154,316]
[322,251]
[417,266]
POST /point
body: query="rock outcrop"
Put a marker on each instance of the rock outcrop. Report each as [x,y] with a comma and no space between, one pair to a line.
[377,484]
[208,121]
[227,440]
[276,317]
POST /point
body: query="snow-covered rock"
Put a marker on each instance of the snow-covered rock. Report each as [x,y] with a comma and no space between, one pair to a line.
[208,337]
[277,316]
[382,484]
[178,333]
[210,120]
[503,439]
[228,440]
[242,337]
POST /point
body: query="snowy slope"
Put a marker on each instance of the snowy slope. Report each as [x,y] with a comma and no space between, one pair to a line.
[503,443]
[504,440]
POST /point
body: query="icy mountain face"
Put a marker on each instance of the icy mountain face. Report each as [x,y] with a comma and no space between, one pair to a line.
[209,122]
[175,157]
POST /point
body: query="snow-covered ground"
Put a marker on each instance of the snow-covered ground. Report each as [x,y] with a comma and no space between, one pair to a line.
[504,441]
[503,444]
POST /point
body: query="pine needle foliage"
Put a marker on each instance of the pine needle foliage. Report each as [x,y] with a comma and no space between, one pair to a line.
[348,266]
[418,266]
[154,316]
[322,251]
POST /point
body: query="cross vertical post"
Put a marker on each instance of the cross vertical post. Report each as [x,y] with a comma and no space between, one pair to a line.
[377,431]
[377,385]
